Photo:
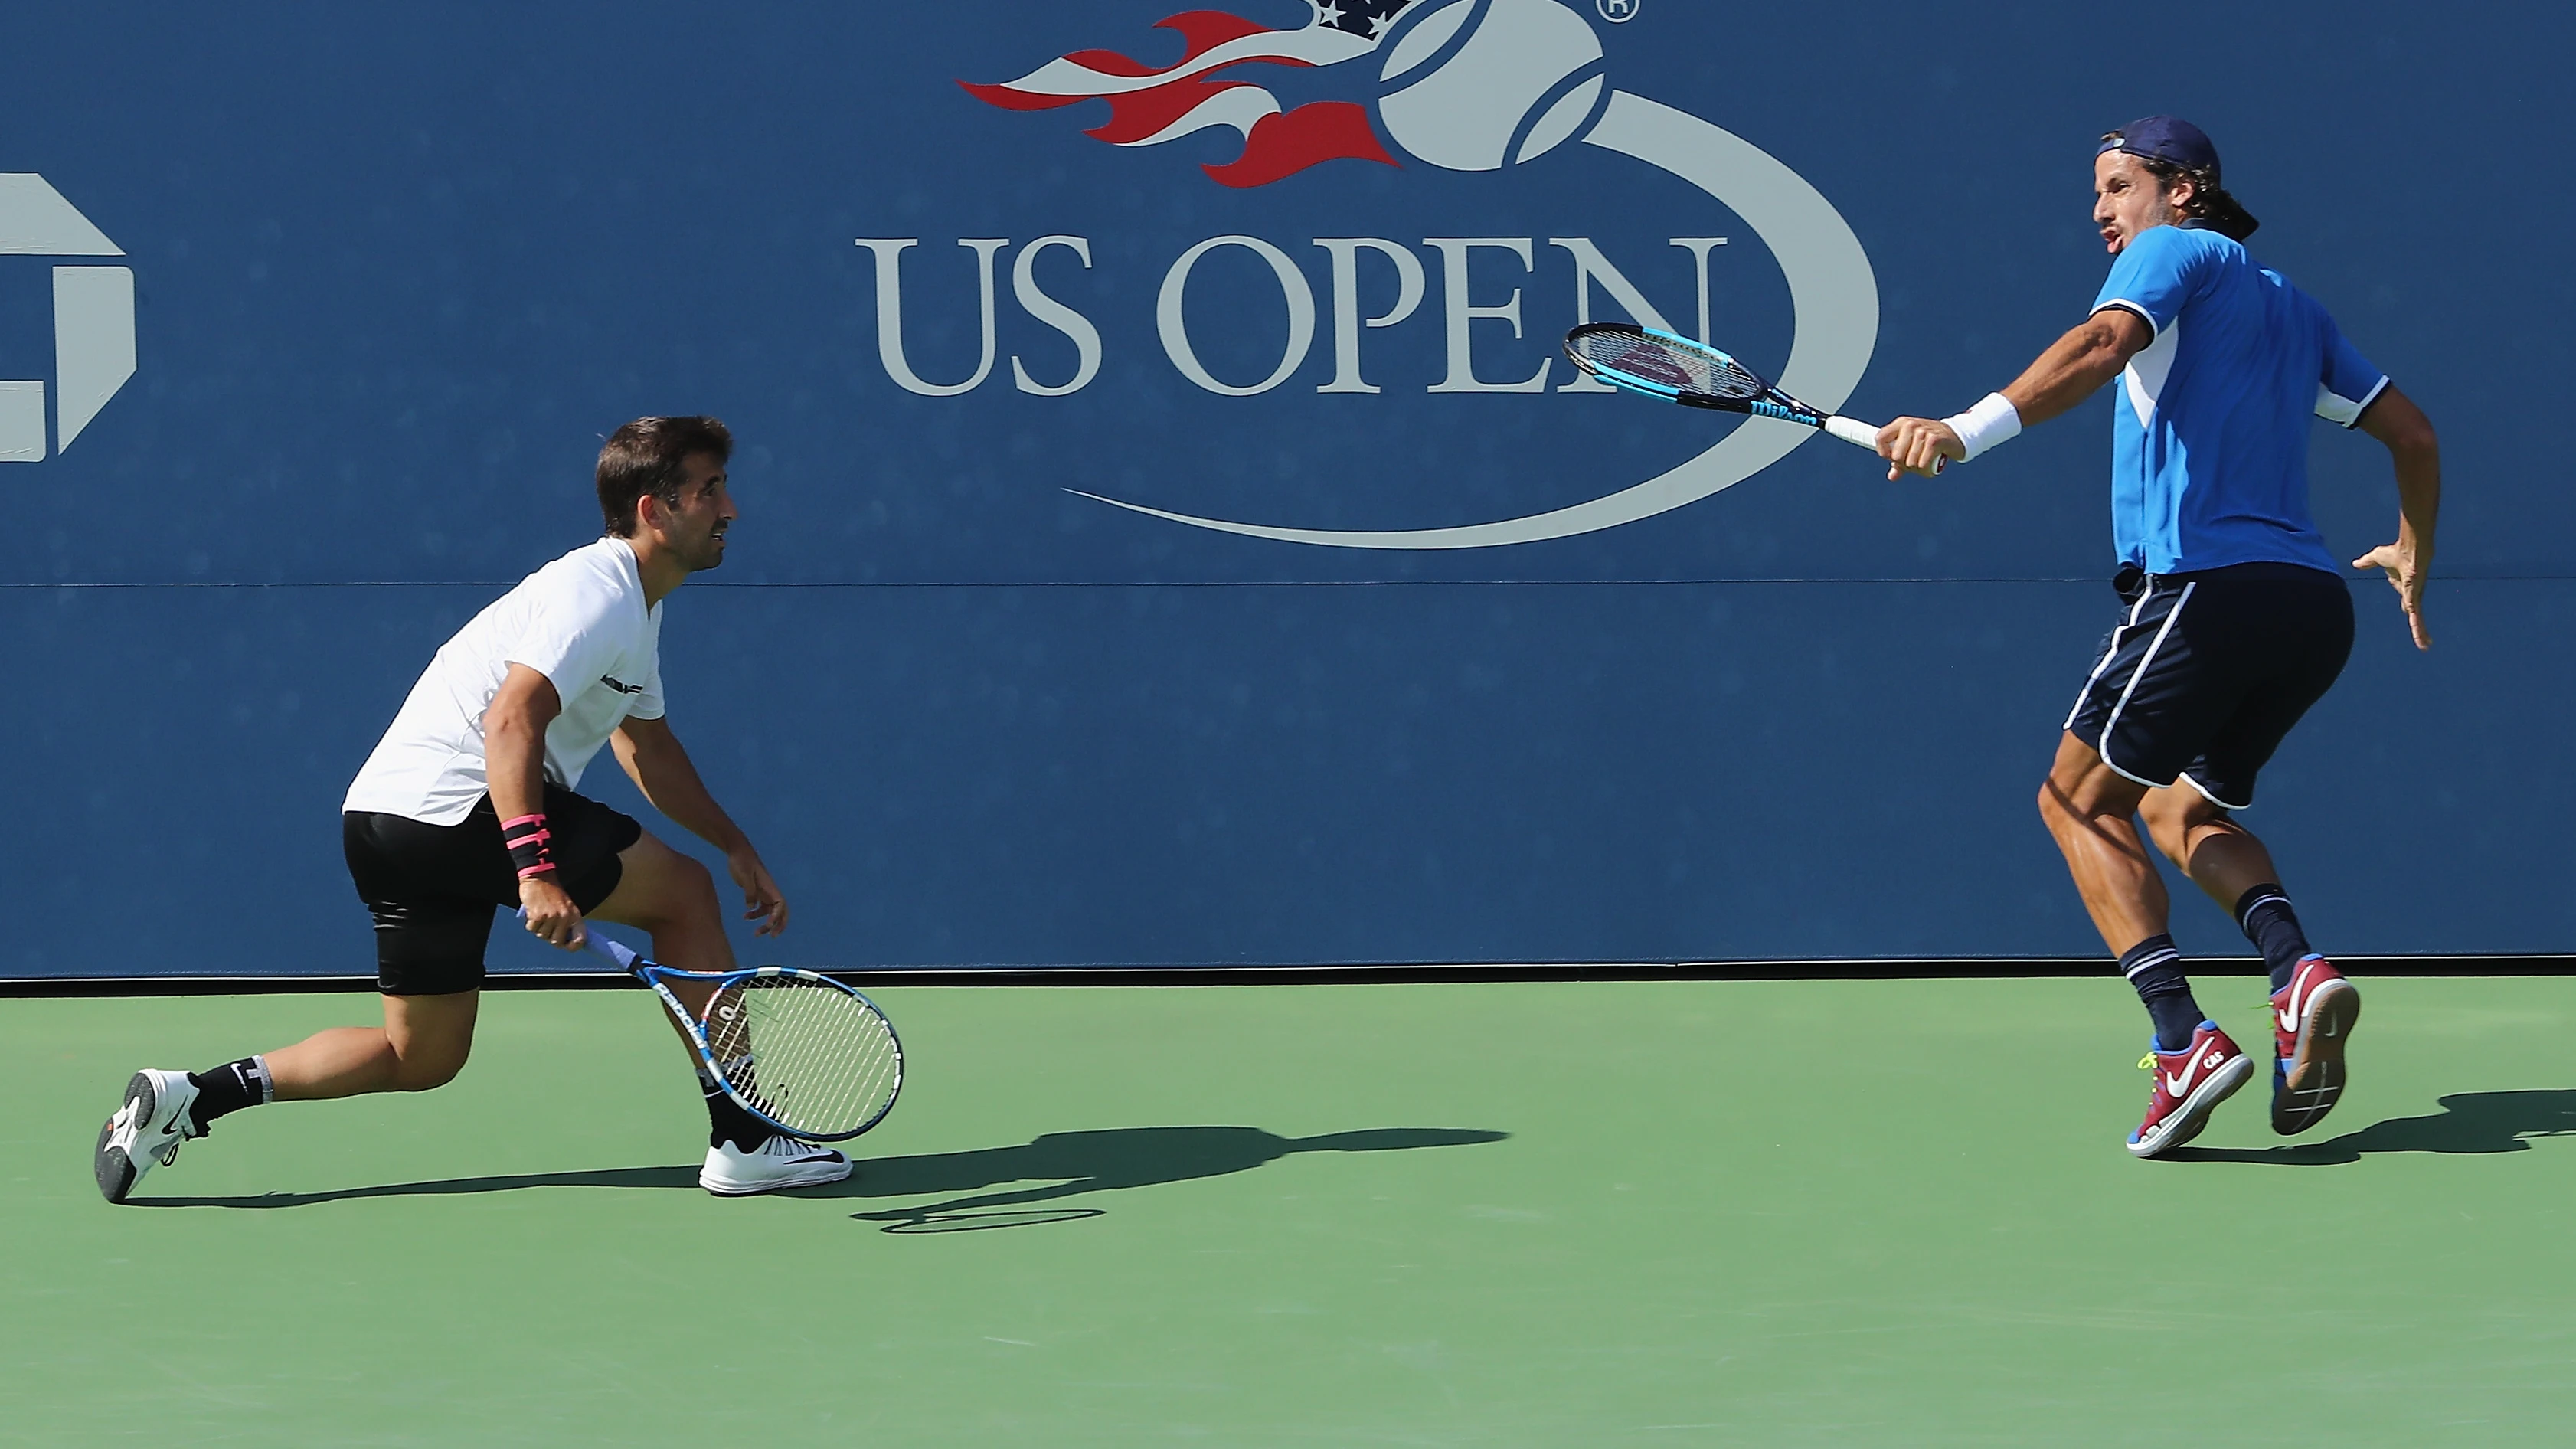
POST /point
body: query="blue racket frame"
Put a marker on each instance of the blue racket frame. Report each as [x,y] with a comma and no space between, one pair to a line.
[654,974]
[1768,402]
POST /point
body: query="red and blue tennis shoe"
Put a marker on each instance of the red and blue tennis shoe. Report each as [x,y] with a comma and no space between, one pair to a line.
[2312,1019]
[2189,1086]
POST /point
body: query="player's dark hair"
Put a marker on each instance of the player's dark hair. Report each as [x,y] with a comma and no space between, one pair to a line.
[650,455]
[2210,202]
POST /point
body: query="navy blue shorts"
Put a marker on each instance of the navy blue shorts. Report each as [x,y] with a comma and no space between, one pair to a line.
[2206,672]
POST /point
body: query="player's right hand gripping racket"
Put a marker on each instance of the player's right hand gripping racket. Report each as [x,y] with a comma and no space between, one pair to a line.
[800,1051]
[1655,363]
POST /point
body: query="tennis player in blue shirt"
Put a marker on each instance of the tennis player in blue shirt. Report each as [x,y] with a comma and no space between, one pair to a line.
[2235,618]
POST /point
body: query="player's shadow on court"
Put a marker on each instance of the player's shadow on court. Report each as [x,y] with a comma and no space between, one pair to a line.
[1064,1164]
[2469,1122]
[1072,1164]
[445,1187]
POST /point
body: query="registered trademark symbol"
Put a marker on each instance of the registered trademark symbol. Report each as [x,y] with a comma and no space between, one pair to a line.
[1619,12]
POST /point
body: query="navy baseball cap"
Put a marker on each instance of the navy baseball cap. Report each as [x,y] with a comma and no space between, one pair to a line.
[2166,138]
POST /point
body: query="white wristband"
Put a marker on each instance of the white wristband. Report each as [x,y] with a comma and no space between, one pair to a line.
[1993,420]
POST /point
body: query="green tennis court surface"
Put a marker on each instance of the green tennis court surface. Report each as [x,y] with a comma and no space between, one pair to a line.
[1776,1213]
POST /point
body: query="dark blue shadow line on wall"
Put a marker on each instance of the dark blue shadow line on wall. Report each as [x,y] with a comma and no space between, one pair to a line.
[1364,973]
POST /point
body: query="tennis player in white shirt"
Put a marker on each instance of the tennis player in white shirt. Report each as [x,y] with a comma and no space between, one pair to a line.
[467,806]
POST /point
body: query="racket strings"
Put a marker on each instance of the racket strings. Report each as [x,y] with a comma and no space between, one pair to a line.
[809,1055]
[1666,364]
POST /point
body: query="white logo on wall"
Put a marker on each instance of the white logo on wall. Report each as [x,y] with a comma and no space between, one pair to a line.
[93,319]
[1465,85]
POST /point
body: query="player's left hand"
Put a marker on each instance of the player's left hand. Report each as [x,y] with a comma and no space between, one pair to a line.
[1921,446]
[762,900]
[2405,572]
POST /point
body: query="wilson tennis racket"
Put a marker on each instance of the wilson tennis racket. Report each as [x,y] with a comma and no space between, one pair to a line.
[801,1052]
[1657,364]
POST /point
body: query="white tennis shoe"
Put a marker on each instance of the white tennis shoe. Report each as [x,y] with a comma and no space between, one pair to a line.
[146,1130]
[782,1161]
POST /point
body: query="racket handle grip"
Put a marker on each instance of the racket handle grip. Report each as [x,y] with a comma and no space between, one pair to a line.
[1853,431]
[600,946]
[1862,435]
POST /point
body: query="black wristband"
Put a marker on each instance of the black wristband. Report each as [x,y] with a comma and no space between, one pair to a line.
[528,839]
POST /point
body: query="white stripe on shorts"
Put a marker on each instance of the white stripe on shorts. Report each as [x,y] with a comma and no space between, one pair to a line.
[2135,675]
[2211,798]
[2110,651]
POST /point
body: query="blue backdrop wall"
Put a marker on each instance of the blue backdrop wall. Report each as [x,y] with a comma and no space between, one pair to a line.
[1166,538]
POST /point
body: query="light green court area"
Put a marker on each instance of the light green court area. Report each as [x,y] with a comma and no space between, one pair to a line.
[1758,1213]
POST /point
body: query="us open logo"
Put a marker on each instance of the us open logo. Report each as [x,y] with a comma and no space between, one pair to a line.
[93,319]
[1462,86]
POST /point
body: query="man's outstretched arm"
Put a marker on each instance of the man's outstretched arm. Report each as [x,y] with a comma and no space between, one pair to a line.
[2071,370]
[654,760]
[2402,428]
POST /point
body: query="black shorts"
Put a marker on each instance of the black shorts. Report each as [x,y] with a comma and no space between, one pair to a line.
[2206,672]
[433,888]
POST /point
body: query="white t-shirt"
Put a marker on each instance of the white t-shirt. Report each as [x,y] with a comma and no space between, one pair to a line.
[580,621]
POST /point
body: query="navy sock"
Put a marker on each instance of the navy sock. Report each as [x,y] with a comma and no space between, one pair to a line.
[726,1120]
[2273,927]
[2154,967]
[229,1088]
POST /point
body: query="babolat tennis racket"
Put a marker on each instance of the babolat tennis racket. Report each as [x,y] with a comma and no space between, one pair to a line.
[1657,364]
[800,1051]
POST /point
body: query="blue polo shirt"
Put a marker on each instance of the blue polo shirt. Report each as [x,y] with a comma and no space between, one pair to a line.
[2209,430]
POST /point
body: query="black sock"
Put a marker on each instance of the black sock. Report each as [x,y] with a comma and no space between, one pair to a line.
[2155,968]
[2273,927]
[229,1088]
[726,1120]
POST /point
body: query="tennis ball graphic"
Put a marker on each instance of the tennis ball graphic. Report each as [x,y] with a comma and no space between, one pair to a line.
[1475,84]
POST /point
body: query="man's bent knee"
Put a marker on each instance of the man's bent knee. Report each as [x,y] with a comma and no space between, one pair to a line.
[662,889]
[430,1036]
[2065,802]
[2052,803]
[2178,812]
[687,898]
[696,880]
[2082,786]
[418,1074]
